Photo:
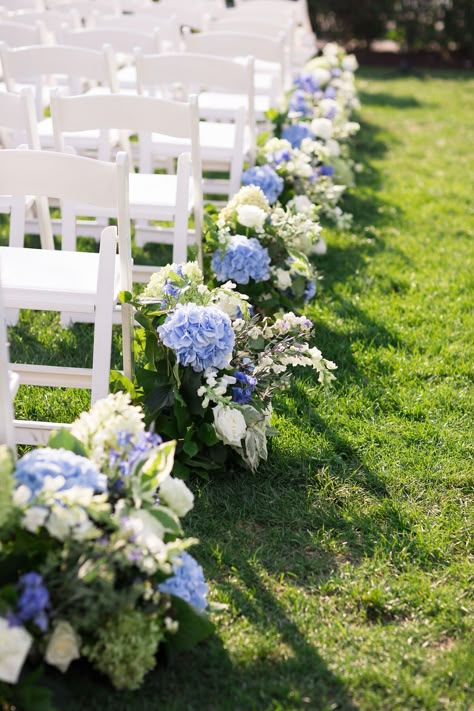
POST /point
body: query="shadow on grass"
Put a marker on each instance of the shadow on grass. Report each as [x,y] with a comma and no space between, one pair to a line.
[382,98]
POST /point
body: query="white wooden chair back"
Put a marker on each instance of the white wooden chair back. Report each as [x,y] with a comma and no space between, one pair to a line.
[167,26]
[192,73]
[285,9]
[51,20]
[17,34]
[191,14]
[76,63]
[144,115]
[13,5]
[237,44]
[88,8]
[7,431]
[17,116]
[121,40]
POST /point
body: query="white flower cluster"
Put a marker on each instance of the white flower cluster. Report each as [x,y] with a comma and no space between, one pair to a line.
[295,228]
[247,195]
[190,270]
[99,427]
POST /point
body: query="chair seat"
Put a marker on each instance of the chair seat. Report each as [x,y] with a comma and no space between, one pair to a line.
[82,140]
[153,196]
[50,279]
[217,142]
[214,105]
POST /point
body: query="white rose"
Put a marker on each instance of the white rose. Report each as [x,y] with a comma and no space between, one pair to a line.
[230,425]
[34,518]
[15,643]
[251,216]
[177,496]
[322,128]
[283,279]
[63,646]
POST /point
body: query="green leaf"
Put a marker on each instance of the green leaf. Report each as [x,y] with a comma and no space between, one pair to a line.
[168,519]
[194,626]
[190,447]
[63,439]
[160,397]
[207,434]
[118,381]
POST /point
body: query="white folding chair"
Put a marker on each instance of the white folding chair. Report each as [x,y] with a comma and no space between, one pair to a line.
[166,25]
[9,382]
[77,65]
[189,14]
[271,63]
[13,5]
[227,142]
[18,126]
[170,198]
[87,8]
[17,34]
[82,283]
[123,41]
[264,26]
[51,21]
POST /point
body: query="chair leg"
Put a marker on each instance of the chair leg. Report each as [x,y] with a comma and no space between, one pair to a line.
[104,315]
[17,222]
[181,219]
[68,227]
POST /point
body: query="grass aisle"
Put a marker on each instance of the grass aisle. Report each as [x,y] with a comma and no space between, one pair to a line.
[346,562]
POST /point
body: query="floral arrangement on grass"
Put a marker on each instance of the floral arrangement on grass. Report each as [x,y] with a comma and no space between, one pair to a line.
[93,559]
[309,150]
[208,371]
[263,250]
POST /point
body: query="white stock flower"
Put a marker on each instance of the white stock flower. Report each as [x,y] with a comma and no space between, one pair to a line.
[148,531]
[251,216]
[350,63]
[229,424]
[301,203]
[177,496]
[21,495]
[322,128]
[333,148]
[60,522]
[63,646]
[15,643]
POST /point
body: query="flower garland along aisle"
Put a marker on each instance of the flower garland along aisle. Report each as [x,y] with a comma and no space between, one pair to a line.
[93,559]
[208,370]
[262,239]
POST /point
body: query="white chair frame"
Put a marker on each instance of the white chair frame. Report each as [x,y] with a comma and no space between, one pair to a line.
[8,384]
[144,115]
[76,282]
[190,73]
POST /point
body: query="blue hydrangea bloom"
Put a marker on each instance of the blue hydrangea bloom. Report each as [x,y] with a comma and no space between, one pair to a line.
[243,390]
[32,469]
[330,93]
[310,291]
[299,103]
[32,602]
[244,258]
[278,157]
[201,336]
[306,82]
[264,177]
[296,132]
[131,448]
[188,582]
[327,170]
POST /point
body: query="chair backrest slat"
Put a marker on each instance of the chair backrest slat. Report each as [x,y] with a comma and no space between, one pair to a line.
[120,39]
[17,113]
[58,175]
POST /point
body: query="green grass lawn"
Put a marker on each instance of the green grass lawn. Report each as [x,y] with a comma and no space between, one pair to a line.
[346,562]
